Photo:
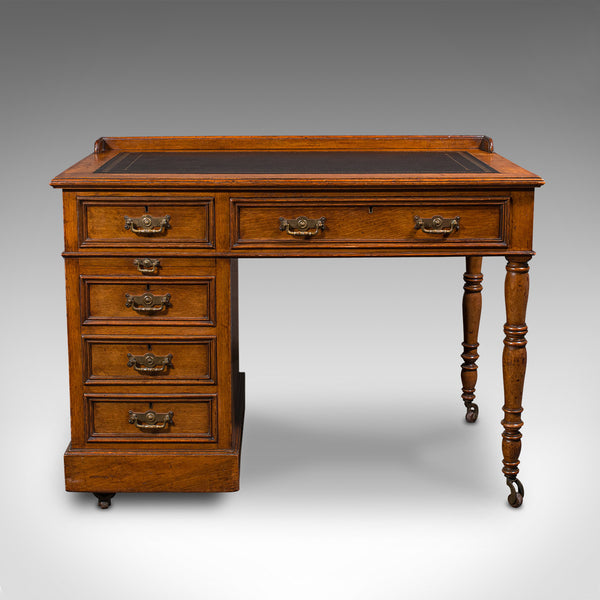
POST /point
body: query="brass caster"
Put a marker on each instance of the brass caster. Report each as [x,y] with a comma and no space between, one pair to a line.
[103,499]
[472,412]
[515,499]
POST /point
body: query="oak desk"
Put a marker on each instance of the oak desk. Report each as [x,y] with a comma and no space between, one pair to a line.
[153,231]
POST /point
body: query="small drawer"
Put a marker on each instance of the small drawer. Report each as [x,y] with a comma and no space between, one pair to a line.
[379,222]
[146,221]
[155,418]
[148,265]
[149,361]
[129,300]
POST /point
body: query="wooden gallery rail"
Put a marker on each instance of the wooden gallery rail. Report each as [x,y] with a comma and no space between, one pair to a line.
[154,227]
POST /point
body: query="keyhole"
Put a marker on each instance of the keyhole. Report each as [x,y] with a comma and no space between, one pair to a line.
[370,210]
[150,405]
[149,347]
[145,209]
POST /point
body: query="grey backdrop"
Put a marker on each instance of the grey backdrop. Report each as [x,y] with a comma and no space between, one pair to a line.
[359,476]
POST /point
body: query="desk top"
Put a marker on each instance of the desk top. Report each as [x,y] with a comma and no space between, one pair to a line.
[306,161]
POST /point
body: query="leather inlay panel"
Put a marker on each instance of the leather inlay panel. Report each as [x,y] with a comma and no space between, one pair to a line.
[294,162]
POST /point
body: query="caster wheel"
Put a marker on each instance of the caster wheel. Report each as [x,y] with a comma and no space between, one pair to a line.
[515,498]
[103,500]
[472,413]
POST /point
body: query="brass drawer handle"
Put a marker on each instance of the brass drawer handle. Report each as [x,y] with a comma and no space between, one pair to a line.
[150,420]
[437,224]
[149,362]
[147,302]
[302,226]
[147,224]
[148,266]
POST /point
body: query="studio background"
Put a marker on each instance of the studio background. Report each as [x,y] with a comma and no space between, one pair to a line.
[332,504]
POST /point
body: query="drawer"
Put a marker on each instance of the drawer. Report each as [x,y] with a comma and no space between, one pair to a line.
[155,418]
[148,265]
[138,300]
[380,222]
[149,361]
[146,221]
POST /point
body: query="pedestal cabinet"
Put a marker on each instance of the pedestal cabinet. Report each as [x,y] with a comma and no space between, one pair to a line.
[156,395]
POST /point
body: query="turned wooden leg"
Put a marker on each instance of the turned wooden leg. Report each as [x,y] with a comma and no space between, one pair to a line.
[514,360]
[471,308]
[103,499]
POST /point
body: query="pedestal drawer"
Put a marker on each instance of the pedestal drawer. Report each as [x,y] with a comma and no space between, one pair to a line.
[146,221]
[378,222]
[146,265]
[139,301]
[149,361]
[152,418]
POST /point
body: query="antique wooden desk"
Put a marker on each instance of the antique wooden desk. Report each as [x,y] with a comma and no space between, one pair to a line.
[153,231]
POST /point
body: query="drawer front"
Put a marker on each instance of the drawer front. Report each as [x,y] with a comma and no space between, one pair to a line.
[380,222]
[147,361]
[155,418]
[146,221]
[148,265]
[165,301]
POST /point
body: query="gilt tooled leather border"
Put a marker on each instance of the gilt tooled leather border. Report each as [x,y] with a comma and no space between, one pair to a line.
[322,162]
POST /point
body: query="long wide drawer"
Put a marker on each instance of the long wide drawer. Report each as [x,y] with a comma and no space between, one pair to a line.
[379,222]
[135,300]
[149,361]
[155,418]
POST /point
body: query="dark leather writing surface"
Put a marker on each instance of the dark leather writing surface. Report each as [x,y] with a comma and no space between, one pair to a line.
[200,163]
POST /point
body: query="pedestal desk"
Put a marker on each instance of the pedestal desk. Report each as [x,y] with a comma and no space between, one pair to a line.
[154,227]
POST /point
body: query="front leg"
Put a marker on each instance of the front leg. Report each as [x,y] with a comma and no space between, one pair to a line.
[471,309]
[514,361]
